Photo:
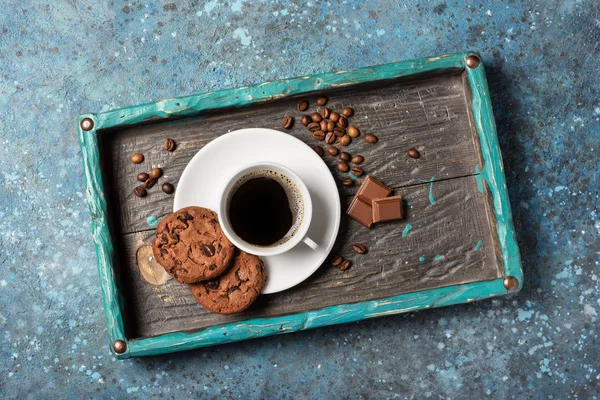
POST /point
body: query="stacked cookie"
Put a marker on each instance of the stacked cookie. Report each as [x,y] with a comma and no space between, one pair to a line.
[193,249]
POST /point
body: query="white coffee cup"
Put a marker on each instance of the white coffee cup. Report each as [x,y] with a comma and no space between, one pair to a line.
[298,197]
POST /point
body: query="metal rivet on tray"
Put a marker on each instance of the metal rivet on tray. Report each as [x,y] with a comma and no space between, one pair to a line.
[511,283]
[87,124]
[120,346]
[472,61]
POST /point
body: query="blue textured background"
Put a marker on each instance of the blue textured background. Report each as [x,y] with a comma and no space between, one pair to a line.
[61,59]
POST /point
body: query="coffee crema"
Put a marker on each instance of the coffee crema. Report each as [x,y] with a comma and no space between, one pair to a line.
[265,208]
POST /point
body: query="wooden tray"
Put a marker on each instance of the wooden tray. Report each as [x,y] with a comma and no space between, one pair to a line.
[460,245]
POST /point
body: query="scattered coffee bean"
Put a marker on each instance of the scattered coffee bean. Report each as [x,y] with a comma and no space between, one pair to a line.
[137,158]
[330,138]
[345,156]
[287,123]
[139,191]
[150,182]
[342,122]
[343,166]
[348,182]
[339,131]
[353,131]
[335,117]
[313,126]
[358,159]
[325,112]
[324,126]
[345,265]
[168,188]
[345,140]
[142,176]
[333,151]
[414,153]
[337,260]
[321,101]
[347,112]
[370,138]
[357,171]
[305,120]
[319,135]
[330,126]
[316,117]
[303,105]
[156,173]
[359,248]
[319,150]
[169,145]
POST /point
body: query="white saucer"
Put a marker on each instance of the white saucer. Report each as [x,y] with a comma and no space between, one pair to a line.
[205,175]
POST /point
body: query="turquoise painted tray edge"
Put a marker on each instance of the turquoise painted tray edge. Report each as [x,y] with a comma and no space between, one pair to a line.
[491,172]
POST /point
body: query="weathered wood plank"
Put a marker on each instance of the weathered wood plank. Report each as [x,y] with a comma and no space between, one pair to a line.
[429,114]
[451,229]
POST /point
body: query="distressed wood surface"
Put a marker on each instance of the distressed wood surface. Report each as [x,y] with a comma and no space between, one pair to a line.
[449,229]
[428,114]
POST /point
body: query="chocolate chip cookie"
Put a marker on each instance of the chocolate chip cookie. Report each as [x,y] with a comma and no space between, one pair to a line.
[235,290]
[191,246]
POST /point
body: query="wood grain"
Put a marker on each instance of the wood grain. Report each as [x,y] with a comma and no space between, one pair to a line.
[428,114]
[449,229]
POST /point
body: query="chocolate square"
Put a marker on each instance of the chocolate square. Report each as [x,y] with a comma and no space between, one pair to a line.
[387,209]
[360,210]
[372,189]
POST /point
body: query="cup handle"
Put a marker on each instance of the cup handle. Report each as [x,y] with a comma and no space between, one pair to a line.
[310,243]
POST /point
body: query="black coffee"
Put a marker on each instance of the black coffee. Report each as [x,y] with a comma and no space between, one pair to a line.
[259,211]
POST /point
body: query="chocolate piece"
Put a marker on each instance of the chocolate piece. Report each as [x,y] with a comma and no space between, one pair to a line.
[372,189]
[387,209]
[360,210]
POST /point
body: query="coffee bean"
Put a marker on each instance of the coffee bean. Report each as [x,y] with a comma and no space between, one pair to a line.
[337,260]
[357,171]
[321,101]
[142,176]
[156,173]
[207,249]
[347,112]
[330,126]
[139,191]
[167,188]
[323,126]
[359,248]
[137,158]
[303,105]
[348,182]
[353,131]
[335,117]
[313,126]
[345,140]
[287,122]
[150,182]
[305,120]
[414,153]
[358,159]
[169,145]
[345,156]
[342,122]
[339,131]
[345,265]
[319,150]
[319,135]
[329,138]
[343,166]
[316,117]
[325,112]
[370,138]
[333,151]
